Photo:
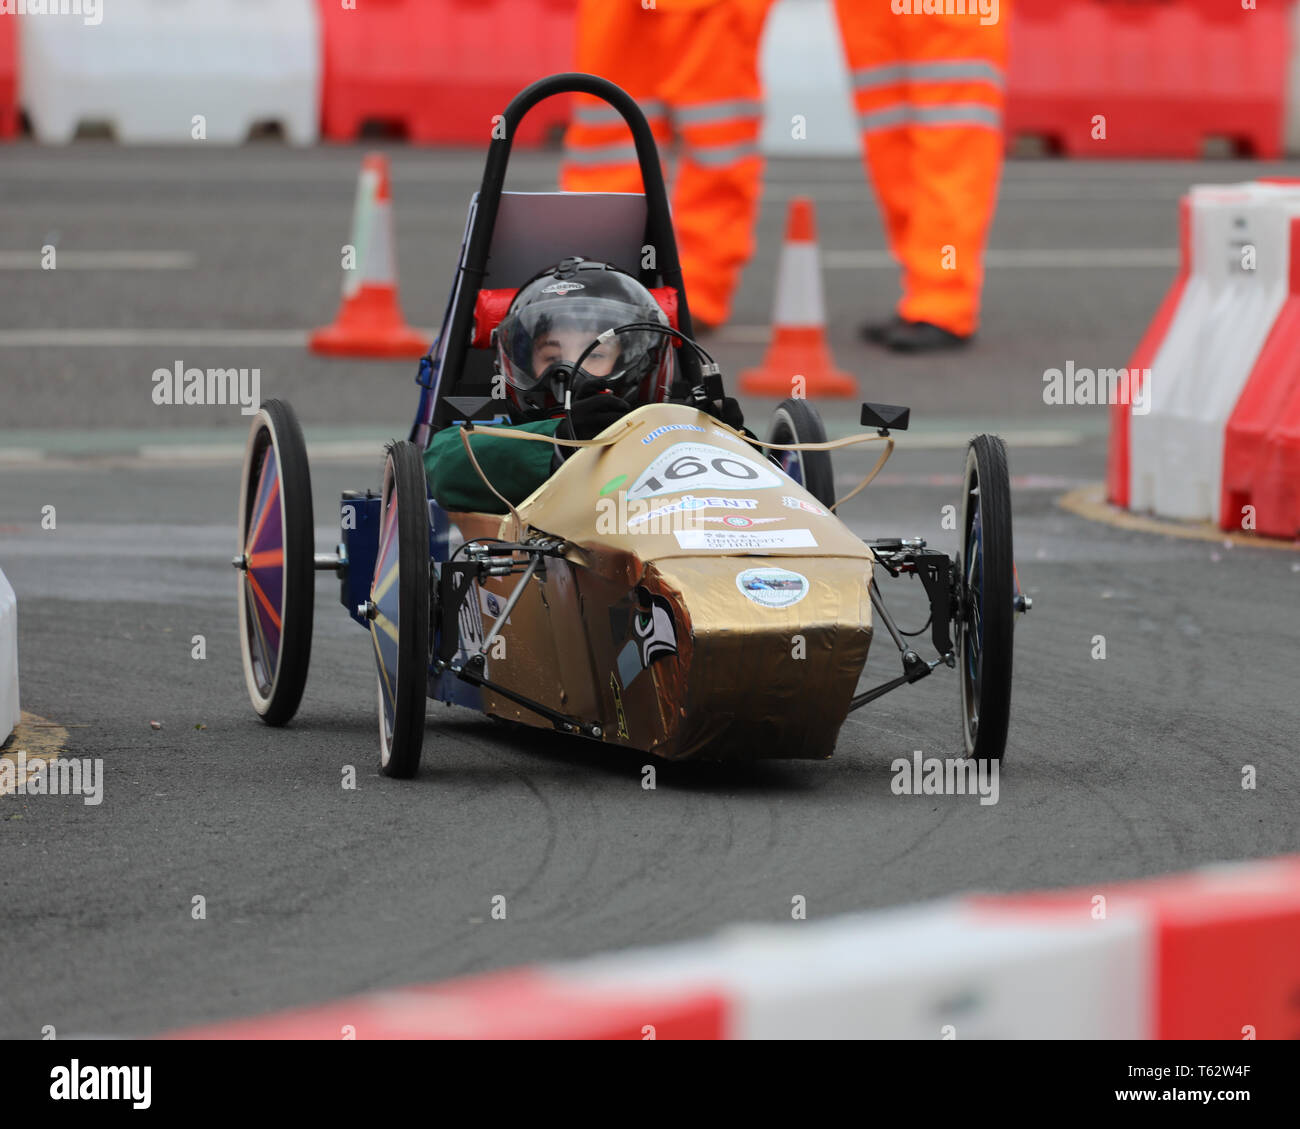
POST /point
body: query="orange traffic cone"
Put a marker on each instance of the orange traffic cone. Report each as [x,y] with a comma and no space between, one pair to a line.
[798,348]
[369,322]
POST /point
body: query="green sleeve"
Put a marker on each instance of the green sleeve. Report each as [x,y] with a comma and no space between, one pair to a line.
[515,467]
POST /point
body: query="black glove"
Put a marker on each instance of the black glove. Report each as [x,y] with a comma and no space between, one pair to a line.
[592,414]
[729,413]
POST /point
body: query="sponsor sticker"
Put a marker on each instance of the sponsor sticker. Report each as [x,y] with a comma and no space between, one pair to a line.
[701,466]
[492,604]
[654,636]
[690,502]
[562,287]
[658,431]
[739,521]
[731,539]
[800,504]
[772,587]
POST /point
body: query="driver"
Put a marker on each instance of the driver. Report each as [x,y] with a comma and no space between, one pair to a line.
[552,320]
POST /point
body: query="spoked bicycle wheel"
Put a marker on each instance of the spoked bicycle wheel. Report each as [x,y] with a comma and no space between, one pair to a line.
[277,581]
[399,611]
[797,421]
[985,612]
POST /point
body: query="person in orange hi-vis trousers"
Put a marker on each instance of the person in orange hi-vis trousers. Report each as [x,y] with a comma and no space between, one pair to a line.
[928,90]
[692,66]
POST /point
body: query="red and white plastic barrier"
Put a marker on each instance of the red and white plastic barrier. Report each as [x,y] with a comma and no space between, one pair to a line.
[9,711]
[442,70]
[1215,433]
[1166,75]
[152,67]
[1210,954]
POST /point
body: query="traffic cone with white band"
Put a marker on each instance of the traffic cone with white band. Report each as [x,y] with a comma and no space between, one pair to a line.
[369,322]
[799,348]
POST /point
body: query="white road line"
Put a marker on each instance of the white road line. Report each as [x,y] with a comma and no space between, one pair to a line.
[161,338]
[345,450]
[100,260]
[957,440]
[361,450]
[1037,258]
[839,192]
[126,338]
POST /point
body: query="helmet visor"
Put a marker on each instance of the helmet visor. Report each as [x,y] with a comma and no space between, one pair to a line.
[559,329]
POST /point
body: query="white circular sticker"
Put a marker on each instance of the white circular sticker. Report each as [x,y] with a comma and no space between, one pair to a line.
[772,587]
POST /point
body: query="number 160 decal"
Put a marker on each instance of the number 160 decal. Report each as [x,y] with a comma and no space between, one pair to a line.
[697,466]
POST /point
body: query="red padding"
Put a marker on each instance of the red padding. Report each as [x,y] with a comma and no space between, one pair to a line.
[8,77]
[492,305]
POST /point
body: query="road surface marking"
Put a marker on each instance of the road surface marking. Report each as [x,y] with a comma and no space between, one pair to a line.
[1037,258]
[1090,502]
[39,738]
[159,338]
[100,260]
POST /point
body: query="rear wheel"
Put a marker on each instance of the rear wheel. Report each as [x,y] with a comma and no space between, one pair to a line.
[797,421]
[277,581]
[399,611]
[986,599]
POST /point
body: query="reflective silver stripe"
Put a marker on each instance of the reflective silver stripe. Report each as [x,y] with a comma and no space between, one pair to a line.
[710,113]
[720,155]
[888,118]
[961,113]
[868,78]
[601,155]
[944,70]
[607,115]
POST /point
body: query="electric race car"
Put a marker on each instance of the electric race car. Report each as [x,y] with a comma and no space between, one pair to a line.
[676,586]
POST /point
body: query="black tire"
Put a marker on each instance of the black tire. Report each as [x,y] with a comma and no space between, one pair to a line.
[985,611]
[275,668]
[797,421]
[399,624]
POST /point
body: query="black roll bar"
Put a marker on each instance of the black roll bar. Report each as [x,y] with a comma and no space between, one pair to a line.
[659,225]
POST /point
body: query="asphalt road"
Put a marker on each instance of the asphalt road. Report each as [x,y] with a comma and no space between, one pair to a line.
[1118,767]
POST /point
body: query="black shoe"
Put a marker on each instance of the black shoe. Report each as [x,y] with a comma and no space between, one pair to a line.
[921,337]
[875,332]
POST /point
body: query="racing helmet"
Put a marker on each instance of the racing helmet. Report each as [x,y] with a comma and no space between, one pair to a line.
[562,310]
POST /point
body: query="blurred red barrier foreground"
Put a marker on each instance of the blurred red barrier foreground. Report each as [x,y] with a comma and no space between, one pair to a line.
[1165,75]
[8,77]
[1210,954]
[438,71]
[1224,943]
[525,1004]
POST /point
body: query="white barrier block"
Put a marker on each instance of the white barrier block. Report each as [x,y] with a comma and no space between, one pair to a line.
[944,970]
[9,711]
[801,62]
[1214,339]
[151,66]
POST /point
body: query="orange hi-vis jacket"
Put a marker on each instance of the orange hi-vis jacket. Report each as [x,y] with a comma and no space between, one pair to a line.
[928,91]
[692,66]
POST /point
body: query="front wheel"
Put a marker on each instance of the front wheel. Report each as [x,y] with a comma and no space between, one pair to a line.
[985,611]
[398,610]
[277,581]
[797,421]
